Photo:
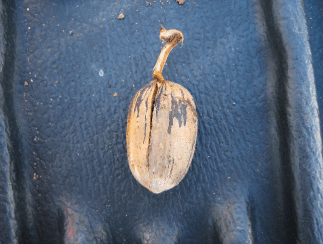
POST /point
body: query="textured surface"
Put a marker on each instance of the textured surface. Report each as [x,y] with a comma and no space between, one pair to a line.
[254,69]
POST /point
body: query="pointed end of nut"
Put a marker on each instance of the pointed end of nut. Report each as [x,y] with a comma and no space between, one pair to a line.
[182,42]
[161,28]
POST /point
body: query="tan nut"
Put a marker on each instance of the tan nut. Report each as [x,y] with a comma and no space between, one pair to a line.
[161,129]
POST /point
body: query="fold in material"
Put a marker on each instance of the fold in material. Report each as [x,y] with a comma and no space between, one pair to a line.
[68,72]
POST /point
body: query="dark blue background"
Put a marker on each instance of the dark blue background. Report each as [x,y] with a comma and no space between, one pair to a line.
[255,71]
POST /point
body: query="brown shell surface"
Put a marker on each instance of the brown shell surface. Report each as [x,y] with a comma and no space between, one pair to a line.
[161,135]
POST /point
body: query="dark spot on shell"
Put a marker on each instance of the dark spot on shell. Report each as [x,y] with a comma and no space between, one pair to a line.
[158,98]
[179,112]
[139,97]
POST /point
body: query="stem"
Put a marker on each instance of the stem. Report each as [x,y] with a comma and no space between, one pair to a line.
[172,37]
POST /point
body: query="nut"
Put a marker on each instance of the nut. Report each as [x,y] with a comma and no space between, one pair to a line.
[161,130]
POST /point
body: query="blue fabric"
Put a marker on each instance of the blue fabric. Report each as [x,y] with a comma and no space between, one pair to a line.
[255,71]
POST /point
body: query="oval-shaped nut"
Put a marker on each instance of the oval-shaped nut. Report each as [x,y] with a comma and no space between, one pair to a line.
[161,135]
